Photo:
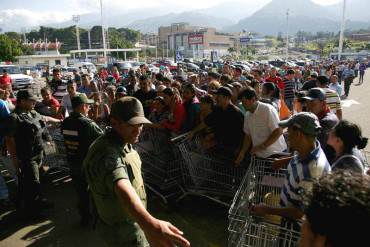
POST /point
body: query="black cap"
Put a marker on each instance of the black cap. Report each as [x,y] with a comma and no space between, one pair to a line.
[315,94]
[224,91]
[80,99]
[26,94]
[130,110]
[323,80]
[121,89]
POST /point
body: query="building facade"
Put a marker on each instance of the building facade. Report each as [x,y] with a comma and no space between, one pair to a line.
[50,58]
[194,42]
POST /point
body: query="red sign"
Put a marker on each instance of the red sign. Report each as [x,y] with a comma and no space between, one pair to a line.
[195,39]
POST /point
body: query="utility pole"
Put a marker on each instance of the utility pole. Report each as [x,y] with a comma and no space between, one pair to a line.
[167,47]
[103,33]
[76,19]
[342,27]
[156,47]
[89,37]
[287,35]
[24,35]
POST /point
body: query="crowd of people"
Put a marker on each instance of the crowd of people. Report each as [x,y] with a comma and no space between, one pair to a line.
[238,114]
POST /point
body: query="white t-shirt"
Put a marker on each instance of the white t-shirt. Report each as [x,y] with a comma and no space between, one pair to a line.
[67,104]
[259,126]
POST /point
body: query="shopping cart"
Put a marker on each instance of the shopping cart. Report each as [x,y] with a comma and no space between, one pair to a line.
[55,152]
[208,174]
[161,164]
[367,160]
[260,233]
[261,184]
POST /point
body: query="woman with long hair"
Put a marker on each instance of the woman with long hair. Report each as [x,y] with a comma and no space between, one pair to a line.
[347,140]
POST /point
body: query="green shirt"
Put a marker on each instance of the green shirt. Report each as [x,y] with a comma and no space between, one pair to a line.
[79,133]
[28,129]
[109,160]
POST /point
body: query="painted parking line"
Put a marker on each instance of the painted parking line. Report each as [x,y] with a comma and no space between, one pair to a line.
[349,102]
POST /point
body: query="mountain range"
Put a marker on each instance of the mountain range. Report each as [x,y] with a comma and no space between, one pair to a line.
[303,15]
[262,16]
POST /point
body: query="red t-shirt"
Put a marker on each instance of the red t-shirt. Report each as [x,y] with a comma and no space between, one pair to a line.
[178,117]
[5,80]
[277,81]
[53,102]
[103,74]
[116,76]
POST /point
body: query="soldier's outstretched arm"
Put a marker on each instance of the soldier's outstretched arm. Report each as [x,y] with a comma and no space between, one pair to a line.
[159,233]
[51,119]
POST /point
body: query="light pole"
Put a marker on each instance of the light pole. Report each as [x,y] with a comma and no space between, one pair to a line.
[342,27]
[23,30]
[103,33]
[287,35]
[89,37]
[76,19]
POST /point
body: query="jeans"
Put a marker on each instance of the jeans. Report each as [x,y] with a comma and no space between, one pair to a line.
[361,79]
[347,85]
[4,193]
[289,103]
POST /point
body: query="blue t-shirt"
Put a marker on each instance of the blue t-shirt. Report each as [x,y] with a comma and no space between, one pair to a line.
[301,174]
[4,113]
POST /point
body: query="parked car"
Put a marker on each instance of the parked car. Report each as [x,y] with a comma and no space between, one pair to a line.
[19,80]
[153,68]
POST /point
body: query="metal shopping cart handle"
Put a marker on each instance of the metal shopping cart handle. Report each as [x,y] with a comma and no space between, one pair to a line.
[180,138]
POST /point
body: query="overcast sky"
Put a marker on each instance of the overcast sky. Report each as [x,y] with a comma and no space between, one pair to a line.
[15,14]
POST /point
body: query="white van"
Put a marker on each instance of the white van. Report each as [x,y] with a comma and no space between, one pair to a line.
[85,67]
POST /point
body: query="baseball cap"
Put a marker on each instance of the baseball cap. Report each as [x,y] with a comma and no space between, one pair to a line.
[315,94]
[224,91]
[307,122]
[130,110]
[314,74]
[26,94]
[80,99]
[323,80]
[121,89]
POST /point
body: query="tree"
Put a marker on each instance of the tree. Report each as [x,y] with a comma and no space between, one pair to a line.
[9,48]
[231,49]
[121,38]
[280,37]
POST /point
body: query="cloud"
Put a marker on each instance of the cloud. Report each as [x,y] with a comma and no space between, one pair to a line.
[16,19]
[326,2]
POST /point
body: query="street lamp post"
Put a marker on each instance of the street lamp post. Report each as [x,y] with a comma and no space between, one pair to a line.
[342,27]
[76,19]
[287,34]
[103,32]
[89,37]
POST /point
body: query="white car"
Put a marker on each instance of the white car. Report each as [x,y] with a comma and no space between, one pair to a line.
[86,67]
[153,68]
[19,80]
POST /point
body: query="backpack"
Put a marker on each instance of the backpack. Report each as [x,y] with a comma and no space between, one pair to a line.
[30,136]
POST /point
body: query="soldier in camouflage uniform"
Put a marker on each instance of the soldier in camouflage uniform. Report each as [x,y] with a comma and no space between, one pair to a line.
[79,133]
[113,170]
[25,136]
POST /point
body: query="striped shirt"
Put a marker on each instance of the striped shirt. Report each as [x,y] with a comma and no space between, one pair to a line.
[332,100]
[289,88]
[300,175]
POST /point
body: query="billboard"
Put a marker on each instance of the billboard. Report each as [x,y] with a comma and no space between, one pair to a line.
[195,39]
[244,40]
